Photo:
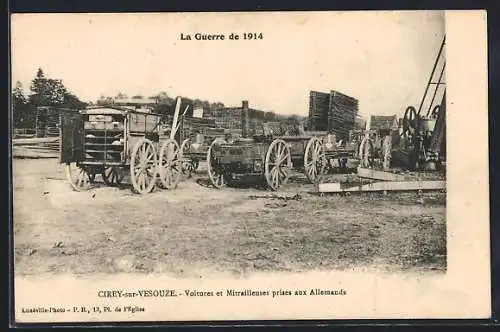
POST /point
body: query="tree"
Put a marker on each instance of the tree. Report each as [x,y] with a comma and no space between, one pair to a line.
[20,108]
[18,97]
[46,91]
[72,101]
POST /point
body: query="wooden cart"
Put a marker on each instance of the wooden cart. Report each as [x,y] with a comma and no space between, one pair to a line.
[118,143]
[271,157]
[194,148]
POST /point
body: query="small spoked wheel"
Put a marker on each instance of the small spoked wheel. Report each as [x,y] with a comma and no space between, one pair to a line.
[170,166]
[143,166]
[113,176]
[214,171]
[278,163]
[79,177]
[187,163]
[314,160]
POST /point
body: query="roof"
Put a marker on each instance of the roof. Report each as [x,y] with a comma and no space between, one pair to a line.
[146,101]
[383,122]
[112,110]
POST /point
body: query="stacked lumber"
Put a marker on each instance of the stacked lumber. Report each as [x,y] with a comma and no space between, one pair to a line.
[342,114]
[229,118]
[319,103]
[334,112]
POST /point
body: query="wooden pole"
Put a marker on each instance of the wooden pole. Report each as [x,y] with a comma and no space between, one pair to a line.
[176,116]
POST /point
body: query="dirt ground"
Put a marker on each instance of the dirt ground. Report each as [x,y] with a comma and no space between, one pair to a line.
[196,230]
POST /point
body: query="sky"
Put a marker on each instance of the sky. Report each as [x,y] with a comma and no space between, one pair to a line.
[383,59]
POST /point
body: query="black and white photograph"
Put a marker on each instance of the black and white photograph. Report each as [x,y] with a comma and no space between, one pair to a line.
[271,165]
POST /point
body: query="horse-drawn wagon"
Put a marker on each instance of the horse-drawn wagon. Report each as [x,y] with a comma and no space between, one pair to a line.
[118,143]
[271,156]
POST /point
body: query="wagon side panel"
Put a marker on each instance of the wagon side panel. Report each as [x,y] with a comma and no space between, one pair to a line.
[71,139]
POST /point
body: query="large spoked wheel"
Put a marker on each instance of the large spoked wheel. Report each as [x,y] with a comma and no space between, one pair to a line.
[278,163]
[143,166]
[410,121]
[79,177]
[170,164]
[187,163]
[113,176]
[214,172]
[314,160]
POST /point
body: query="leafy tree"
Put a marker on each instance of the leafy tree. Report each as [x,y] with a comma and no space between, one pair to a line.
[104,100]
[20,109]
[46,91]
[72,101]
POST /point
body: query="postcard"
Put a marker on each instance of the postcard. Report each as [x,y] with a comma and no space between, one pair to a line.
[250,166]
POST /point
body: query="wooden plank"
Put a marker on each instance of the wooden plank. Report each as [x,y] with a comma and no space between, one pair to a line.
[379,175]
[176,116]
[381,186]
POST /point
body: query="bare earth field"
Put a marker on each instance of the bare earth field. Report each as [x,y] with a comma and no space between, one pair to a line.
[195,230]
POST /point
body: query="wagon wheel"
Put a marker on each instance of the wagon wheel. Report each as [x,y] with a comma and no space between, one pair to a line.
[187,163]
[113,176]
[277,164]
[143,166]
[170,164]
[214,172]
[410,120]
[79,177]
[366,152]
[314,159]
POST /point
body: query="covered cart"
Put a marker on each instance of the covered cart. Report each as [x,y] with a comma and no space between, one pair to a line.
[118,143]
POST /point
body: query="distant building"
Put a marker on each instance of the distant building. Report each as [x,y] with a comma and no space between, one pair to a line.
[378,122]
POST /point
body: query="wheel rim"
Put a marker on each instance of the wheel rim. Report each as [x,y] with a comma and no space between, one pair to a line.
[187,164]
[112,176]
[278,163]
[170,164]
[78,177]
[314,160]
[143,166]
[410,120]
[214,172]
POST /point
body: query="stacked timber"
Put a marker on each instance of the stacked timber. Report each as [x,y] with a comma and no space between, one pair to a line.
[319,102]
[334,112]
[228,118]
[342,114]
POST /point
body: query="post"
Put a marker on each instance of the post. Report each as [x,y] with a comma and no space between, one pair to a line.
[245,119]
[176,116]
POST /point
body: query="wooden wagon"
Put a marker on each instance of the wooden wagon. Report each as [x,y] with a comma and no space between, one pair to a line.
[194,148]
[118,143]
[271,157]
